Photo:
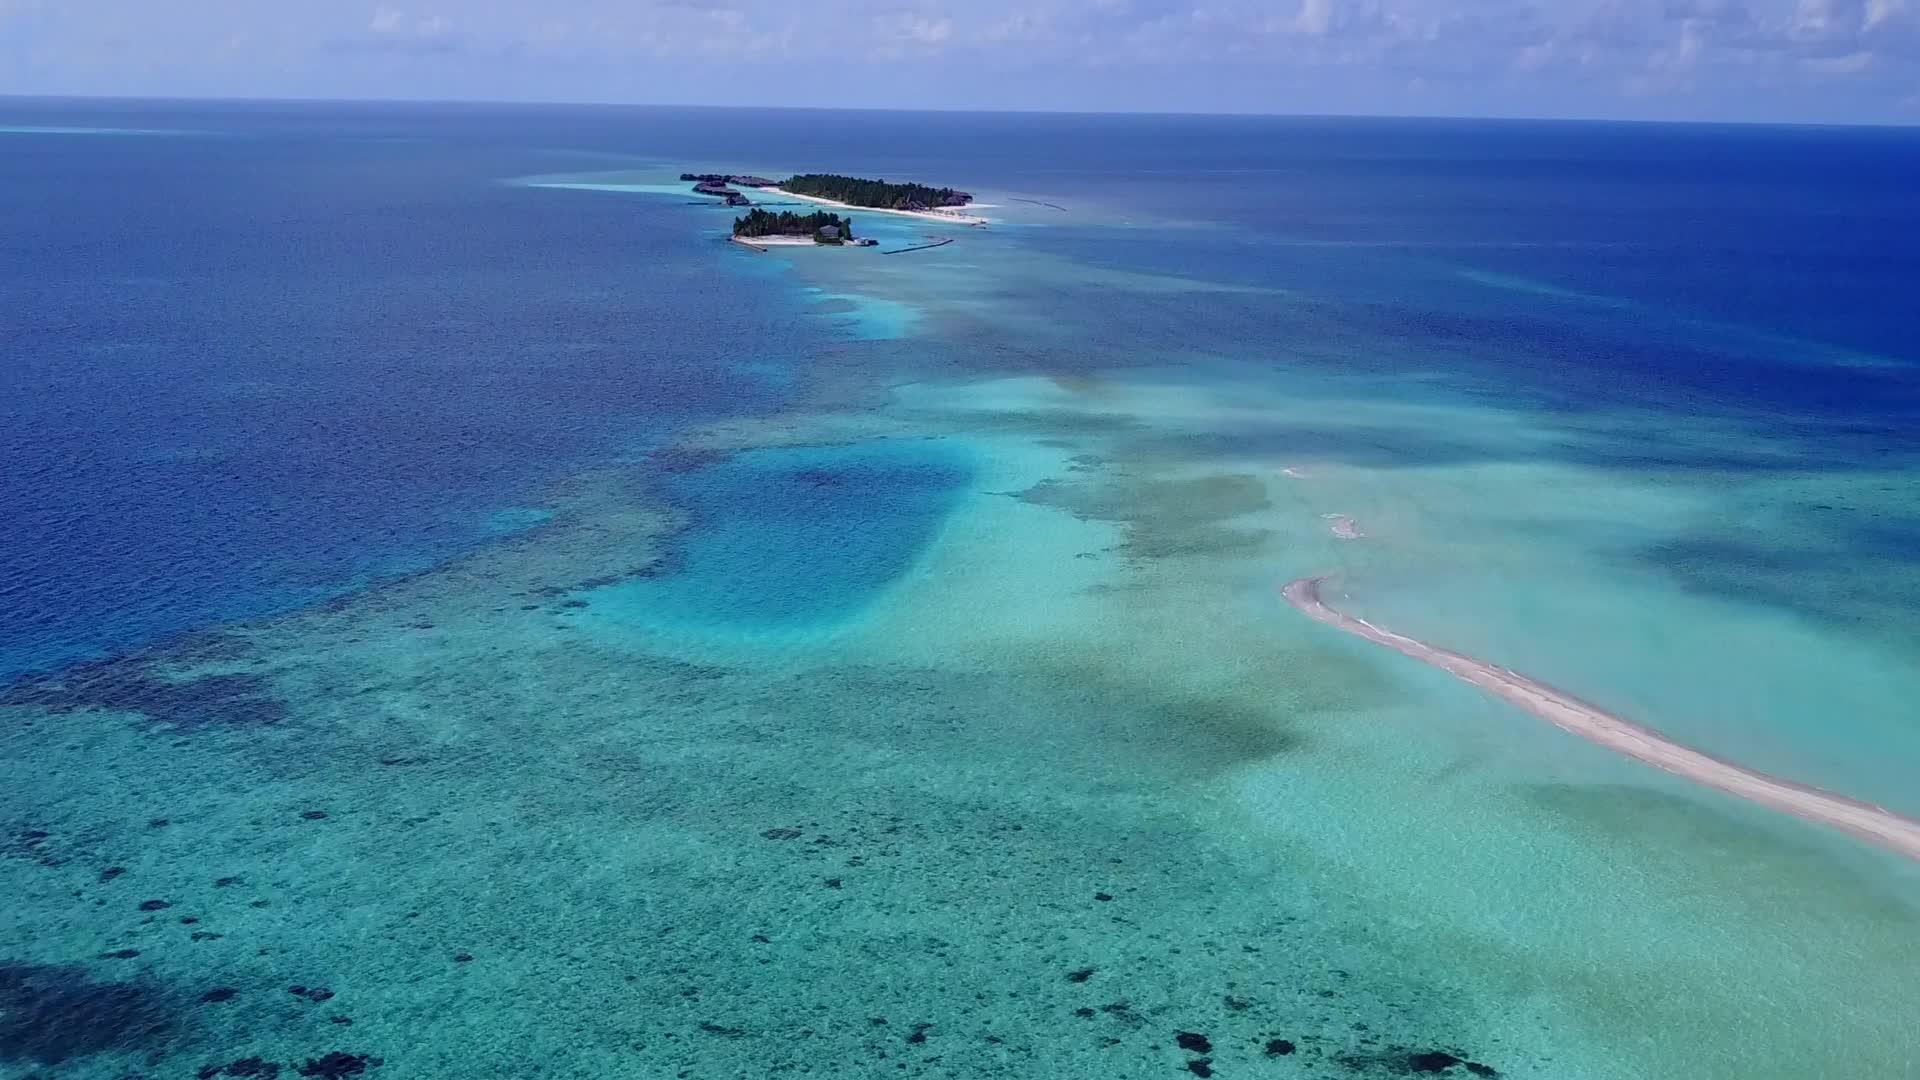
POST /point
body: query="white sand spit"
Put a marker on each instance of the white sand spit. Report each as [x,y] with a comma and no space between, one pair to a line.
[1874,824]
[1343,526]
[945,217]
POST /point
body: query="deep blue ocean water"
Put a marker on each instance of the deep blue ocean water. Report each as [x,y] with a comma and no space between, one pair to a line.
[253,368]
[302,346]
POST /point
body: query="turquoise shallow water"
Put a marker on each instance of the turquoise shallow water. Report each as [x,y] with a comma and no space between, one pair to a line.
[786,539]
[736,664]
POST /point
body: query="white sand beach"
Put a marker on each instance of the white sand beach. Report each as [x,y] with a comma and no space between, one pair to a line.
[1873,824]
[761,243]
[948,217]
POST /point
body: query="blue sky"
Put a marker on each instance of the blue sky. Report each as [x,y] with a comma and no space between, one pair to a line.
[1801,60]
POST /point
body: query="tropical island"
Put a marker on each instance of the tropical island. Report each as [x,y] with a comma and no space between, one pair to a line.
[942,204]
[715,184]
[874,194]
[786,227]
[729,178]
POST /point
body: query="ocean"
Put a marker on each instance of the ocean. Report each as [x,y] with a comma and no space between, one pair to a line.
[462,617]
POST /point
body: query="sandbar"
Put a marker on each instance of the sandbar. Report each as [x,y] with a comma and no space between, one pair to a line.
[1343,526]
[1874,824]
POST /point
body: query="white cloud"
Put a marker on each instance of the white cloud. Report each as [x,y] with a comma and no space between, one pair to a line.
[1509,48]
[394,30]
[929,31]
[1315,17]
[1851,64]
[1883,12]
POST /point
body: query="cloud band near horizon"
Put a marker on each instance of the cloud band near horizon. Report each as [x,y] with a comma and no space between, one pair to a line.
[1830,60]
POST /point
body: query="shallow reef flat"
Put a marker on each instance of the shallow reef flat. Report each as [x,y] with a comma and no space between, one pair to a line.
[974,810]
[467,839]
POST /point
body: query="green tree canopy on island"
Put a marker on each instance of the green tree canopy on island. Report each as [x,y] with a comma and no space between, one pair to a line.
[875,193]
[758,222]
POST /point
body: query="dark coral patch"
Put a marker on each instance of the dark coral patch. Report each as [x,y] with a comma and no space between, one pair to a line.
[819,478]
[247,1066]
[31,845]
[1408,1062]
[1194,1041]
[686,459]
[337,1064]
[51,1014]
[210,647]
[1434,1061]
[138,685]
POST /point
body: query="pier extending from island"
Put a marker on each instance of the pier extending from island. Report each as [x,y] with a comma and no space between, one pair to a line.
[928,246]
[1874,824]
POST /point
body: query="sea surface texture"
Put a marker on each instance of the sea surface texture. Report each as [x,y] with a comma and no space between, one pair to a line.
[460,617]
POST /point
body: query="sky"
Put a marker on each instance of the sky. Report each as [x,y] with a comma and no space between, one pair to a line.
[1822,61]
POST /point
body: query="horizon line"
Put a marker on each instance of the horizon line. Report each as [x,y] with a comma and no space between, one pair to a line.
[1002,111]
